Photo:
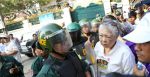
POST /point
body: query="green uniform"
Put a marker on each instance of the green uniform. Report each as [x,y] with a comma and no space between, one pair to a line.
[70,67]
[8,62]
[37,65]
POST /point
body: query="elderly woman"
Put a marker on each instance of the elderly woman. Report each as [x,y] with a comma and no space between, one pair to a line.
[111,54]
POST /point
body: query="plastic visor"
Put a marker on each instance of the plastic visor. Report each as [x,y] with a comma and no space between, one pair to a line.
[61,41]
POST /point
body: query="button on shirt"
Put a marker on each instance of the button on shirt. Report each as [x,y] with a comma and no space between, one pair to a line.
[120,59]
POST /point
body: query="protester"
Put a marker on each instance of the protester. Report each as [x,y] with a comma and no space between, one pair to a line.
[11,49]
[33,43]
[132,18]
[10,67]
[16,41]
[2,42]
[111,54]
[141,36]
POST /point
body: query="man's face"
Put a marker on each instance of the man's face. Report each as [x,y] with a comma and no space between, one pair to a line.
[132,19]
[95,28]
[85,29]
[61,48]
[143,52]
[35,37]
[39,52]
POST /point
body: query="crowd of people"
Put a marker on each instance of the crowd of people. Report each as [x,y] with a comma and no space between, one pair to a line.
[103,47]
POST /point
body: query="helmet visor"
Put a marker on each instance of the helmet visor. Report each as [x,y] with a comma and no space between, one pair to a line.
[61,41]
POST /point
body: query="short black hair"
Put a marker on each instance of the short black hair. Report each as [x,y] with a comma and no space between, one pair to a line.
[132,13]
[34,34]
[11,34]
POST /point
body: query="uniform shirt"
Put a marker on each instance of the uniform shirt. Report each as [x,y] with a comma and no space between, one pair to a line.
[1,64]
[54,67]
[37,65]
[11,46]
[120,59]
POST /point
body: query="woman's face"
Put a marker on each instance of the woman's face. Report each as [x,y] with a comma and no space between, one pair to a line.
[107,38]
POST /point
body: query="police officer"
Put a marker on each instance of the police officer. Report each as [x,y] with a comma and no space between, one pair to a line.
[78,41]
[78,46]
[95,24]
[40,59]
[86,32]
[61,62]
[10,67]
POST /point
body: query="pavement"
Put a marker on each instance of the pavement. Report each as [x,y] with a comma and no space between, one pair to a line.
[27,61]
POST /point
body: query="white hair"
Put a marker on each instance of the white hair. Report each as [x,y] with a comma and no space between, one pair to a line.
[112,26]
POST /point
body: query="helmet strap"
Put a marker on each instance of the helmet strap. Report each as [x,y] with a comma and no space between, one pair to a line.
[62,55]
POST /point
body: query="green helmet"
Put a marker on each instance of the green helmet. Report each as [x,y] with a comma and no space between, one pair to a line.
[73,27]
[95,21]
[52,35]
[84,22]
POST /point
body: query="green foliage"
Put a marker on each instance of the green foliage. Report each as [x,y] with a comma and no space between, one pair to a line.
[43,2]
[7,6]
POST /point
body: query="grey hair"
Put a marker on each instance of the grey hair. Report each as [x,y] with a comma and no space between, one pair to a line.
[123,29]
[112,26]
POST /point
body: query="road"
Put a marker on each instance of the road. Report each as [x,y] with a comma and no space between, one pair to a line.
[27,61]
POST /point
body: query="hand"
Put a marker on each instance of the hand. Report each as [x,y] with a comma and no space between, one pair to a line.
[138,72]
[13,70]
[88,43]
[3,54]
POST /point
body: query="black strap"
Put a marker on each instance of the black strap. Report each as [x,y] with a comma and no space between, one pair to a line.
[77,64]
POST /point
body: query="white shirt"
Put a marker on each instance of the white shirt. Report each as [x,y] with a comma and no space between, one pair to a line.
[11,46]
[16,41]
[120,59]
[2,47]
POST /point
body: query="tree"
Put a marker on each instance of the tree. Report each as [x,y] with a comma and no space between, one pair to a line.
[8,6]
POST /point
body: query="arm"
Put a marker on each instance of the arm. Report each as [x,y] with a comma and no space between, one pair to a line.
[87,74]
[9,53]
[128,63]
[137,72]
[10,50]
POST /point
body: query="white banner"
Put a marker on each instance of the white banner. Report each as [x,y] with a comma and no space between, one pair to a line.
[1,23]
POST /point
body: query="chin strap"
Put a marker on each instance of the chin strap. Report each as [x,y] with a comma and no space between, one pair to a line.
[62,55]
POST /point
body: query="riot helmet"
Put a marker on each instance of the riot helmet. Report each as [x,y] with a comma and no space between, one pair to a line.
[75,31]
[95,24]
[54,38]
[85,25]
